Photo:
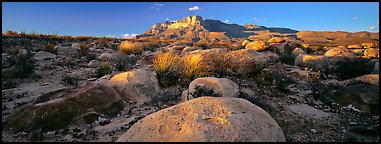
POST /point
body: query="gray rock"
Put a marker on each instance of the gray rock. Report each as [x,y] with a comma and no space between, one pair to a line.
[307,110]
[43,55]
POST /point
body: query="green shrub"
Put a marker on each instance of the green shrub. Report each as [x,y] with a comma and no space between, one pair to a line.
[23,65]
[102,70]
[204,91]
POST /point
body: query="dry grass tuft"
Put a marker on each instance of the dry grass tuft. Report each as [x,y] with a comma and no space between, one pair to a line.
[168,67]
[128,47]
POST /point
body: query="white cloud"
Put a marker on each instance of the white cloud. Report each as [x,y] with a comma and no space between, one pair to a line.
[128,36]
[372,27]
[355,18]
[195,8]
[255,18]
[167,19]
[225,21]
[155,8]
[158,4]
[264,19]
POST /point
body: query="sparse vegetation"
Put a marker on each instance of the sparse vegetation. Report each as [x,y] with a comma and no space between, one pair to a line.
[128,47]
[193,67]
[22,65]
[71,80]
[50,48]
[123,62]
[205,91]
[102,70]
[168,67]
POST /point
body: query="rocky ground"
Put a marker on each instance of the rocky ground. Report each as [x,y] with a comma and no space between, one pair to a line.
[294,101]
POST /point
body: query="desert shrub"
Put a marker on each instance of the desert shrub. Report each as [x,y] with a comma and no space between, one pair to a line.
[85,48]
[91,56]
[71,80]
[50,48]
[102,70]
[193,67]
[168,68]
[128,47]
[23,65]
[168,97]
[218,63]
[204,91]
[155,43]
[282,81]
[123,61]
[320,91]
[8,84]
[102,42]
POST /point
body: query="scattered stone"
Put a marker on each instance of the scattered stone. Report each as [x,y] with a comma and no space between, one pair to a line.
[256,45]
[105,57]
[313,131]
[93,64]
[372,53]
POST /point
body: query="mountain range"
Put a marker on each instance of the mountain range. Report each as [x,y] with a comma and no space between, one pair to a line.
[195,28]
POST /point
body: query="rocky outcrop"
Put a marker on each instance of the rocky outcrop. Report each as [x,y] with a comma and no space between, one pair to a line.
[207,119]
[277,40]
[247,61]
[256,45]
[372,53]
[372,79]
[221,86]
[362,96]
[137,85]
[354,47]
[316,62]
[60,112]
[93,64]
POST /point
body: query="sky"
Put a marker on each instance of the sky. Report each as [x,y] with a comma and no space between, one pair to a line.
[126,19]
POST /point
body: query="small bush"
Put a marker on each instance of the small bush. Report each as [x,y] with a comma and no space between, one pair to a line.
[91,56]
[85,48]
[352,68]
[50,48]
[204,91]
[168,68]
[132,47]
[218,63]
[102,70]
[202,43]
[193,67]
[71,80]
[122,61]
[23,65]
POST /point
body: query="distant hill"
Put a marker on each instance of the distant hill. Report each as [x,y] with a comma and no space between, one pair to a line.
[196,28]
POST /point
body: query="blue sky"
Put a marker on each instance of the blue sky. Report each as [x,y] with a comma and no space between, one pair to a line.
[122,18]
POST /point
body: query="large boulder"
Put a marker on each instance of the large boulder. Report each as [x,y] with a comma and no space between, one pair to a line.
[339,52]
[247,61]
[364,97]
[277,40]
[105,57]
[50,112]
[372,79]
[137,85]
[222,86]
[316,62]
[372,53]
[282,48]
[256,45]
[207,119]
[368,45]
